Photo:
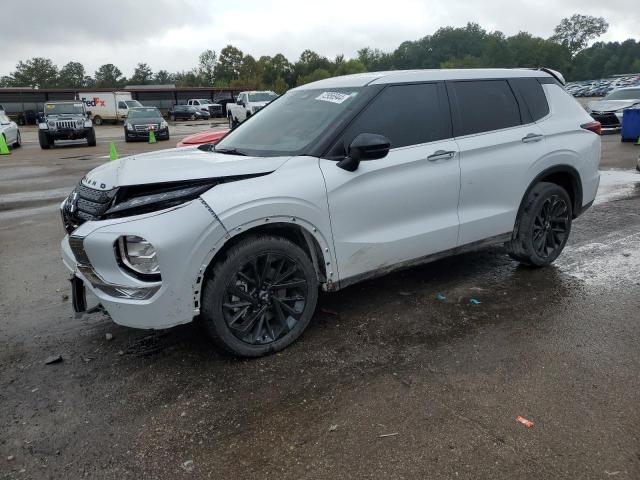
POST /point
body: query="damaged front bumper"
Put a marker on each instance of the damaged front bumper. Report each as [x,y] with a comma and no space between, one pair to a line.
[184,238]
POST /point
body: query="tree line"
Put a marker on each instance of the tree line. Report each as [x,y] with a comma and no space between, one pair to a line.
[449,47]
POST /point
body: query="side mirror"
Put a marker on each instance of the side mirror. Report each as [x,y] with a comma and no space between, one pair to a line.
[239,102]
[366,146]
[89,112]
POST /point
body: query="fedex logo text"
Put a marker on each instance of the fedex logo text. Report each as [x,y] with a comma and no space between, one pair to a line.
[93,102]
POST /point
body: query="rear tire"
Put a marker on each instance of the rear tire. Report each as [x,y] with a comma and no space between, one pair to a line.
[44,140]
[97,120]
[91,138]
[260,297]
[542,227]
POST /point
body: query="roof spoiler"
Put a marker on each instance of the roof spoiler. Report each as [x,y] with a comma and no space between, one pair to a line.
[555,74]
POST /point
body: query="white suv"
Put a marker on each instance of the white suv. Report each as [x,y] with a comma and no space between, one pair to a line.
[336,181]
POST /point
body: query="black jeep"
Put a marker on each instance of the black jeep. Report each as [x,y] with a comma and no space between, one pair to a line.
[65,120]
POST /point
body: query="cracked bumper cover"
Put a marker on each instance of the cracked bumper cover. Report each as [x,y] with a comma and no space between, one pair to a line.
[184,238]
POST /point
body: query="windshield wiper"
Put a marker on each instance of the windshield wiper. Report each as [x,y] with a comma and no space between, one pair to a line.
[229,151]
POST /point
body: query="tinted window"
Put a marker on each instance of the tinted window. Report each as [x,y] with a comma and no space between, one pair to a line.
[122,105]
[405,114]
[482,106]
[533,96]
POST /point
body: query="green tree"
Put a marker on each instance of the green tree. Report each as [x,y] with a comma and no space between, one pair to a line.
[229,63]
[279,86]
[319,74]
[72,75]
[163,77]
[142,75]
[347,67]
[576,31]
[108,76]
[207,67]
[36,72]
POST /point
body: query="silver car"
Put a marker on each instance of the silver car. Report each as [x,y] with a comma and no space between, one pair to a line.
[609,110]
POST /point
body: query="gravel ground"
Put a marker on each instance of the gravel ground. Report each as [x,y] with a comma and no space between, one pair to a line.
[388,382]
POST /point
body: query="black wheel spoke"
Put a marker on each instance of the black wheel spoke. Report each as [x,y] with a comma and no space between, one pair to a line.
[234,290]
[550,225]
[291,284]
[239,314]
[287,308]
[282,318]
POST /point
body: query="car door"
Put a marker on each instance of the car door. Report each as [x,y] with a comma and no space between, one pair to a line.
[498,144]
[9,129]
[402,207]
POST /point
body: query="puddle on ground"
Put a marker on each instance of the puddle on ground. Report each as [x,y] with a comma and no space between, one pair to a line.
[615,184]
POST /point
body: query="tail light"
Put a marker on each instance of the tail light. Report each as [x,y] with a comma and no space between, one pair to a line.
[595,127]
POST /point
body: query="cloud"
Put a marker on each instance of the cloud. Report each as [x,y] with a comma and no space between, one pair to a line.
[170,34]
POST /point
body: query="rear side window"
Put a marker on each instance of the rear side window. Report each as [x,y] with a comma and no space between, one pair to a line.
[534,98]
[482,106]
[405,114]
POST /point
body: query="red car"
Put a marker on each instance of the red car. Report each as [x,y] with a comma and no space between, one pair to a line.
[202,137]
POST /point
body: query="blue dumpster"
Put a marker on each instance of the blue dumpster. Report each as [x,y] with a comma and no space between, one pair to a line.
[631,125]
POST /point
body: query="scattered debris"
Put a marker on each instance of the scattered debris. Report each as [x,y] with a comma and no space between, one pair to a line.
[524,421]
[53,359]
[388,435]
[329,311]
[34,390]
[404,294]
[183,414]
[612,473]
[187,466]
[65,297]
[475,301]
[87,359]
[440,297]
[626,254]
[108,337]
[333,428]
[10,458]
[120,352]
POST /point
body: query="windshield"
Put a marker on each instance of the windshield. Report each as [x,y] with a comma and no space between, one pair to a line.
[262,97]
[632,94]
[132,103]
[144,113]
[290,124]
[202,100]
[63,108]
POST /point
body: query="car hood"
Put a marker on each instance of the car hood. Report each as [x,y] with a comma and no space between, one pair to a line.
[176,164]
[610,105]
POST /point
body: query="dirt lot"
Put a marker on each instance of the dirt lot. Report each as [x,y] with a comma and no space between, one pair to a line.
[388,382]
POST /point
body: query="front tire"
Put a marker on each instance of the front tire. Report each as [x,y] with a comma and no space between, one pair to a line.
[91,138]
[260,297]
[543,226]
[44,140]
[18,141]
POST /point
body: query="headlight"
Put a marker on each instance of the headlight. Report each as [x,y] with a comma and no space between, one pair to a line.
[164,124]
[139,256]
[129,126]
[137,203]
[621,109]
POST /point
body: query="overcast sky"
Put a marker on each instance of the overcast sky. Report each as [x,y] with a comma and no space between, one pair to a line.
[169,34]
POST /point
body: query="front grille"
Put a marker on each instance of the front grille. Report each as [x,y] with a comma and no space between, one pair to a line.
[77,247]
[215,110]
[85,204]
[65,124]
[606,119]
[145,128]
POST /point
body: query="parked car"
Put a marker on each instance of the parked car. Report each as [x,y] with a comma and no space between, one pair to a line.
[213,109]
[10,131]
[248,104]
[610,109]
[208,137]
[108,106]
[142,120]
[338,181]
[65,120]
[186,112]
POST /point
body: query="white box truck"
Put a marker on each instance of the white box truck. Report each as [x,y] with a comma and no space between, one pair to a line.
[108,106]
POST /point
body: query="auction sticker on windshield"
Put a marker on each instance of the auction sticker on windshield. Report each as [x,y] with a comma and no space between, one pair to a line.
[333,97]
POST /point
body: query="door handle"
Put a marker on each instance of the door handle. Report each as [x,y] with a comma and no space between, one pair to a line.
[441,155]
[532,137]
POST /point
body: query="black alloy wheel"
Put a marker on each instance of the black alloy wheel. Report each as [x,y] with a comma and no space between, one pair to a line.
[260,296]
[265,298]
[550,226]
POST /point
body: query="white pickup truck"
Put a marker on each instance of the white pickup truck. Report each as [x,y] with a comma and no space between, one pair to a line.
[247,104]
[213,109]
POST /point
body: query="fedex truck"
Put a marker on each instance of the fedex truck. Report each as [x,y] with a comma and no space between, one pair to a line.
[108,106]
